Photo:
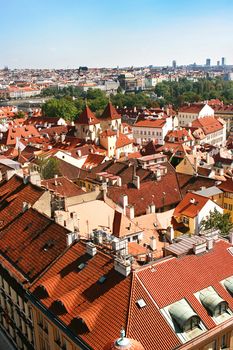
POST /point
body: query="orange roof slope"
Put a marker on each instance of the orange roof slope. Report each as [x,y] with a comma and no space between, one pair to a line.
[195,272]
[151,123]
[110,112]
[32,242]
[123,226]
[87,117]
[227,186]
[103,307]
[62,187]
[190,205]
[12,204]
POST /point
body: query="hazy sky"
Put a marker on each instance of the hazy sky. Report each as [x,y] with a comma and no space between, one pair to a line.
[110,33]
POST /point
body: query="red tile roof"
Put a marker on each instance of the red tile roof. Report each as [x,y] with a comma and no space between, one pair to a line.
[194,108]
[110,112]
[190,205]
[162,193]
[16,193]
[208,124]
[147,325]
[32,242]
[195,272]
[85,297]
[13,133]
[108,133]
[62,186]
[226,186]
[93,160]
[87,117]
[150,123]
[123,140]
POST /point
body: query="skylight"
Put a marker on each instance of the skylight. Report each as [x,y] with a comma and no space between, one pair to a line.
[102,279]
[141,303]
[81,266]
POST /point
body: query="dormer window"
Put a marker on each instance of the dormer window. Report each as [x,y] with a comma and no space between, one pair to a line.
[184,316]
[213,302]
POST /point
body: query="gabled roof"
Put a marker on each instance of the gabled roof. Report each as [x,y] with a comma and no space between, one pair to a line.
[162,193]
[32,242]
[87,117]
[89,304]
[150,123]
[190,205]
[208,124]
[16,193]
[62,186]
[226,186]
[123,226]
[110,112]
[193,271]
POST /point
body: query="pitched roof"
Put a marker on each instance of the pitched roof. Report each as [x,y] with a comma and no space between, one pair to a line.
[16,194]
[123,140]
[123,226]
[87,117]
[162,193]
[226,186]
[193,183]
[13,133]
[110,112]
[190,205]
[87,298]
[62,186]
[208,124]
[194,108]
[32,242]
[164,288]
[150,123]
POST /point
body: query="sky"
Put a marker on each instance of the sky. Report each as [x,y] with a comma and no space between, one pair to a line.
[111,33]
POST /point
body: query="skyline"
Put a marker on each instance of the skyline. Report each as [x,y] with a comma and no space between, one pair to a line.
[64,34]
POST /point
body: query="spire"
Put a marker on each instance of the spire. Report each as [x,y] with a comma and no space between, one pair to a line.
[87,117]
[110,112]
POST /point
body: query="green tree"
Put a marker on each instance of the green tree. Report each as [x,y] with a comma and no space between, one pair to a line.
[218,221]
[49,167]
[64,108]
[20,114]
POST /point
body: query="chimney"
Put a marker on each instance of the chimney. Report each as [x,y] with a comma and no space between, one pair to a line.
[71,237]
[124,201]
[55,179]
[91,248]
[26,206]
[192,201]
[221,172]
[195,163]
[120,246]
[119,181]
[136,181]
[209,243]
[199,247]
[130,212]
[122,266]
[153,243]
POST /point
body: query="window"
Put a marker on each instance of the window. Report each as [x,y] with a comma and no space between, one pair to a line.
[223,342]
[185,220]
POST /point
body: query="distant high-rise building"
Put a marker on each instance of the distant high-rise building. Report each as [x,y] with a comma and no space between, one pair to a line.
[218,63]
[174,64]
[223,61]
[208,61]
